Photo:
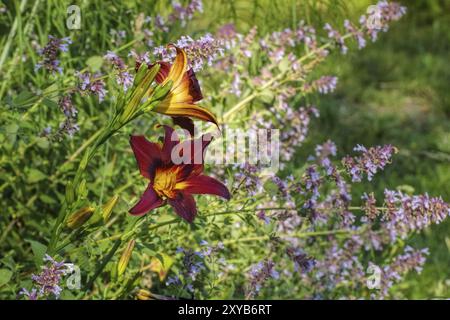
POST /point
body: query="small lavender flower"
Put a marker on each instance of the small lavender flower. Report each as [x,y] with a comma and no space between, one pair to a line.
[410,260]
[48,281]
[405,213]
[69,127]
[380,16]
[30,295]
[160,23]
[140,58]
[307,35]
[357,34]
[337,37]
[192,263]
[370,162]
[66,105]
[123,77]
[204,50]
[262,216]
[91,85]
[325,150]
[258,275]
[323,85]
[302,261]
[228,36]
[209,250]
[370,206]
[115,60]
[173,280]
[50,54]
[183,14]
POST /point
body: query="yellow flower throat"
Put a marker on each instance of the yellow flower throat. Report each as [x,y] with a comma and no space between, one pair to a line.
[165,182]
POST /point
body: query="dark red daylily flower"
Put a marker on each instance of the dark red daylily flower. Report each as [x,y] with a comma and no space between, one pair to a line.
[180,103]
[173,183]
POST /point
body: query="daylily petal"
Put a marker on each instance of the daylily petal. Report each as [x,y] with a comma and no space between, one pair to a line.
[148,155]
[194,86]
[184,205]
[185,123]
[197,156]
[179,67]
[170,141]
[163,71]
[188,90]
[149,201]
[204,185]
[186,110]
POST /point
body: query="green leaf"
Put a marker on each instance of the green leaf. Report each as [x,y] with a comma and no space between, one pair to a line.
[34,175]
[5,276]
[52,105]
[47,199]
[39,251]
[24,98]
[94,63]
[266,96]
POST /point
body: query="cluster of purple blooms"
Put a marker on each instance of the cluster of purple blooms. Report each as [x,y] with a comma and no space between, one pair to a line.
[123,77]
[404,213]
[193,265]
[179,14]
[92,84]
[194,262]
[204,50]
[380,16]
[336,37]
[258,275]
[48,282]
[370,161]
[50,52]
[411,259]
[69,125]
[184,14]
[296,124]
[323,85]
[302,261]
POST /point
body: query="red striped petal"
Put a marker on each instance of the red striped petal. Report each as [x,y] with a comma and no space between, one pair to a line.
[171,139]
[148,155]
[149,201]
[184,205]
[205,185]
[194,87]
[185,123]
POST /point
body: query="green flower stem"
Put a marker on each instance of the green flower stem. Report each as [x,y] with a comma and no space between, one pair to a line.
[176,220]
[103,264]
[128,234]
[91,147]
[298,235]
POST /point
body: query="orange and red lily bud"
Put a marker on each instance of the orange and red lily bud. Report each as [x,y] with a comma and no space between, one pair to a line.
[184,93]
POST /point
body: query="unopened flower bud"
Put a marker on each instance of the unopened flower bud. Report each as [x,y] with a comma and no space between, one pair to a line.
[144,295]
[108,207]
[78,218]
[125,258]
